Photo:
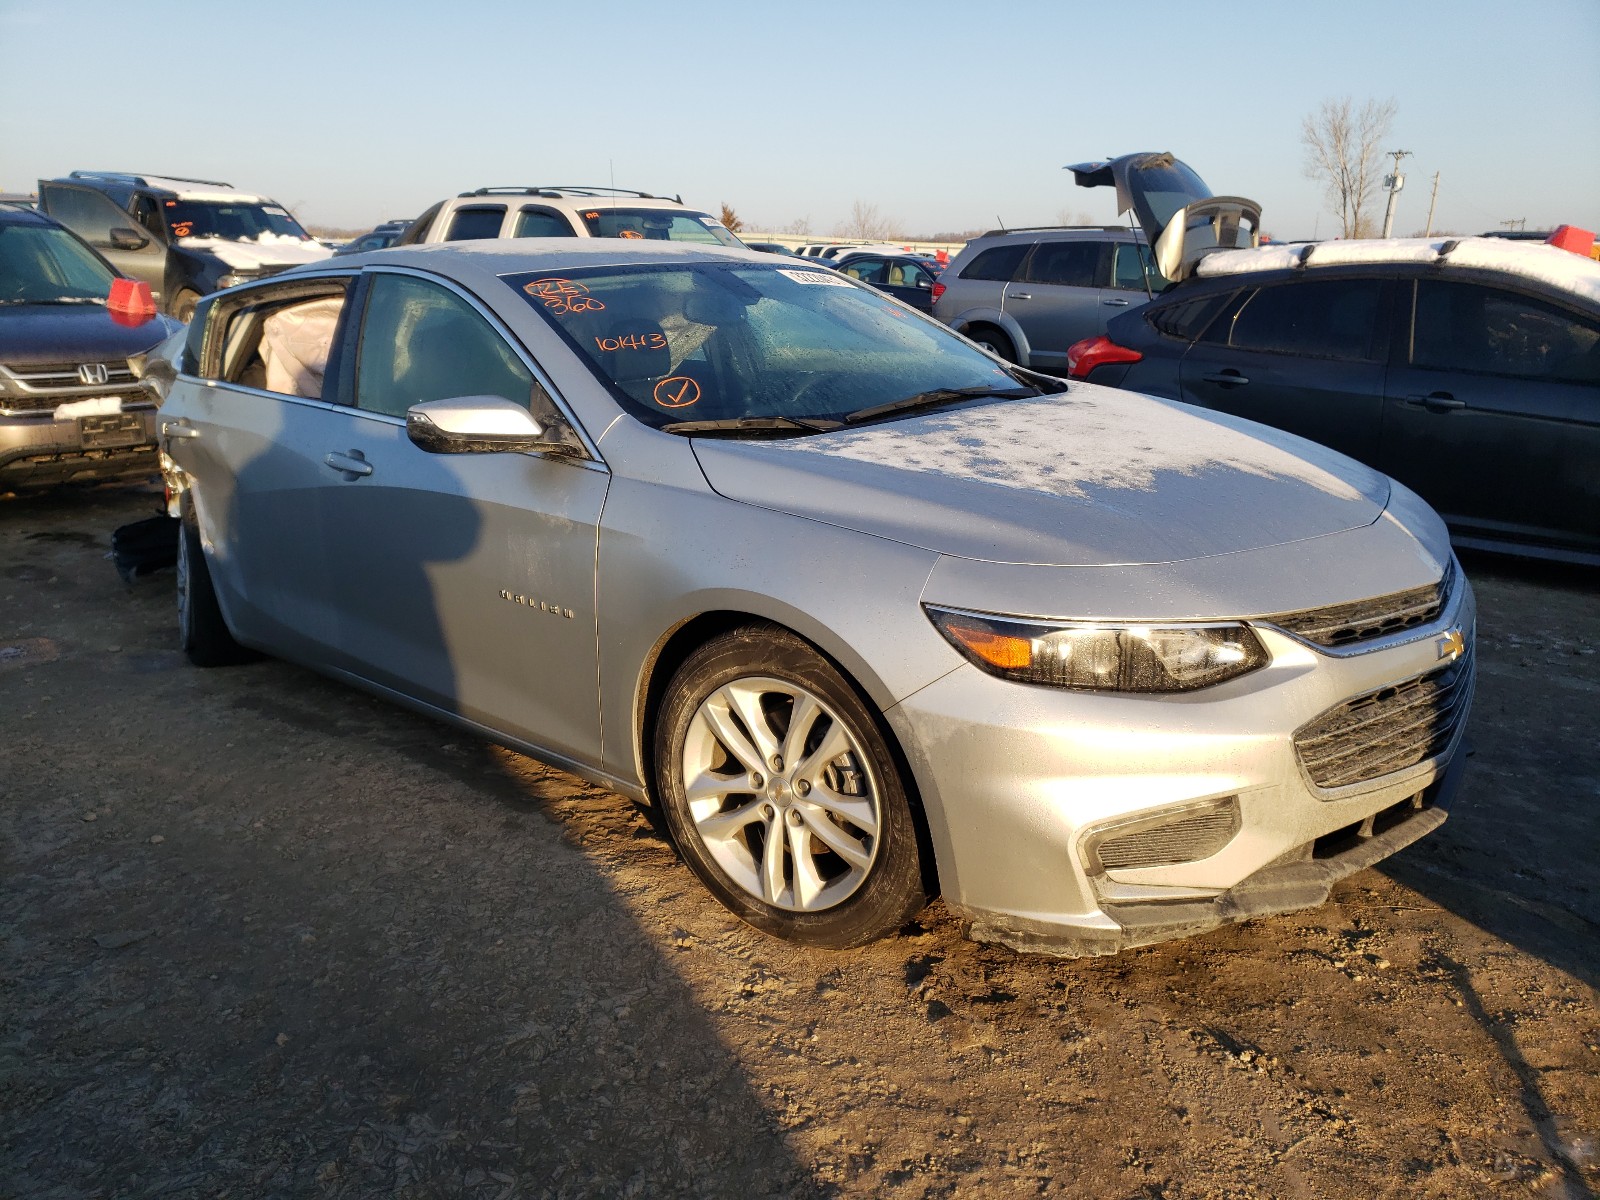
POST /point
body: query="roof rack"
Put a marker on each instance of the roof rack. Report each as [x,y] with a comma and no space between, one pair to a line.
[143,179]
[1048,228]
[567,189]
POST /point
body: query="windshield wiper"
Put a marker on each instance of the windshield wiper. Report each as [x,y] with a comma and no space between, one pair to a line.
[939,396]
[738,424]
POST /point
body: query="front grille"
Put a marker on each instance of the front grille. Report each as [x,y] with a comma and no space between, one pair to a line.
[1187,839]
[1388,729]
[1363,620]
[55,377]
[47,401]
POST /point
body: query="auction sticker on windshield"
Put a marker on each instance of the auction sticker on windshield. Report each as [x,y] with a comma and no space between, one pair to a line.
[825,278]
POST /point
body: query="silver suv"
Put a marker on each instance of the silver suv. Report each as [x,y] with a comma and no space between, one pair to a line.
[562,210]
[1028,294]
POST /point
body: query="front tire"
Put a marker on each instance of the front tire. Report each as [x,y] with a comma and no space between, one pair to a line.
[994,341]
[782,795]
[183,305]
[202,632]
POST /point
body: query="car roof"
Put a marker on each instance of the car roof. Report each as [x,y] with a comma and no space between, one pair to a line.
[22,214]
[121,185]
[1557,268]
[1035,233]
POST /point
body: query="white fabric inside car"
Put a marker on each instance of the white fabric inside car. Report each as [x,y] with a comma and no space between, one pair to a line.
[295,342]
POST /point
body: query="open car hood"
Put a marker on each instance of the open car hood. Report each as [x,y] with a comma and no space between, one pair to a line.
[1180,217]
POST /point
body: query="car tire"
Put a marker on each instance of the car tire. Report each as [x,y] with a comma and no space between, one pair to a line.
[822,849]
[183,305]
[994,341]
[202,631]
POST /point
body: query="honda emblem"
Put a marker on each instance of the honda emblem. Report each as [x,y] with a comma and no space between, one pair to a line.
[94,374]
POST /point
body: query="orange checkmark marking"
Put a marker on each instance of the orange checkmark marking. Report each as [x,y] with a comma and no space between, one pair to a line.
[677,391]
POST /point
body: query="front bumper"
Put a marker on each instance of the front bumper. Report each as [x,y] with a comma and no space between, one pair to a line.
[39,450]
[1021,797]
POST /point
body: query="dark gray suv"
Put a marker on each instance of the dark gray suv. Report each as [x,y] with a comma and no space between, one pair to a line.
[1028,294]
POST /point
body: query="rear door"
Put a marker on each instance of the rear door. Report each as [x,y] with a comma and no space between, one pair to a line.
[92,216]
[1493,414]
[1302,355]
[1056,300]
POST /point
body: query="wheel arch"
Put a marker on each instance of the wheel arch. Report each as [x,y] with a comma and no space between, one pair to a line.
[1004,322]
[684,638]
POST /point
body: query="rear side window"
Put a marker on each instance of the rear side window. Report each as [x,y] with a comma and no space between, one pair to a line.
[1467,327]
[474,224]
[1187,319]
[1070,264]
[1322,318]
[998,263]
[541,222]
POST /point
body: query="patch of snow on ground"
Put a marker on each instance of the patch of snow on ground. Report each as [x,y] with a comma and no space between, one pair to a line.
[1093,437]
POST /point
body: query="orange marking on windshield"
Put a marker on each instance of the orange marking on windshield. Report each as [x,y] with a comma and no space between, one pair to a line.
[633,341]
[677,391]
[182,228]
[563,296]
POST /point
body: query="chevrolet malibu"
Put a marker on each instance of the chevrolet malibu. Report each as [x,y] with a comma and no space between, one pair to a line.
[868,615]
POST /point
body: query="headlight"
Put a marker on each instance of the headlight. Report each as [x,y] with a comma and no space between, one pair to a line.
[1100,657]
[235,278]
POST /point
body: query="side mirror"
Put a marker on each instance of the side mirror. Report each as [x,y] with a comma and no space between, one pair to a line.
[123,238]
[483,425]
[925,285]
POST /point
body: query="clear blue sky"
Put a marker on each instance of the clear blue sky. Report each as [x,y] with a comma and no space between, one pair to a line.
[943,115]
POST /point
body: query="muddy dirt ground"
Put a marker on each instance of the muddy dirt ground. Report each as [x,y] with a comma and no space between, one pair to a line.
[262,935]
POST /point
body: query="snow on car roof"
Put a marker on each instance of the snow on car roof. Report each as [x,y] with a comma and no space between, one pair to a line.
[1547,264]
[185,189]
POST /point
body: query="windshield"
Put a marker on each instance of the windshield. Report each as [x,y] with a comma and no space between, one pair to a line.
[43,265]
[715,341]
[232,222]
[657,225]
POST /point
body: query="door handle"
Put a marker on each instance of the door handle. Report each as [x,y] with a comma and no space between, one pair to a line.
[1116,303]
[1438,402]
[1020,296]
[352,465]
[1228,378]
[175,429]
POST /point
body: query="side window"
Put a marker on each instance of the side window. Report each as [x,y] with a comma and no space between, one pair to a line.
[541,222]
[1188,319]
[868,270]
[1466,327]
[1322,318]
[1070,264]
[1134,266]
[144,209]
[474,224]
[916,276]
[87,213]
[422,342]
[997,263]
[278,342]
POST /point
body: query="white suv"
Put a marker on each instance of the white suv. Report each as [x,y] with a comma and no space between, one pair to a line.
[560,210]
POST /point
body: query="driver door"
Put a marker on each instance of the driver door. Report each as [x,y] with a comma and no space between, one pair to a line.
[463,580]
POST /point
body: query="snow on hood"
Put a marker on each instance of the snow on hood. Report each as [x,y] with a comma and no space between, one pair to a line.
[1547,264]
[268,250]
[1092,476]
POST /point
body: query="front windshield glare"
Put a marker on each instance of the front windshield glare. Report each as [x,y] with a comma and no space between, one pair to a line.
[41,265]
[233,222]
[714,341]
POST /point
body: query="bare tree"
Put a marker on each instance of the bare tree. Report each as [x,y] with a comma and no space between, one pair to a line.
[731,218]
[1073,217]
[800,225]
[868,224]
[1343,153]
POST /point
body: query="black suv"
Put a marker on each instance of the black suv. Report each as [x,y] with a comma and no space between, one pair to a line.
[186,238]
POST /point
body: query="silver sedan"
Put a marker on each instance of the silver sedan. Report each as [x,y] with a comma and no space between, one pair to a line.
[868,614]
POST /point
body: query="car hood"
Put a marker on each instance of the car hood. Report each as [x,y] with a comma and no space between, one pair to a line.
[54,333]
[1094,476]
[269,252]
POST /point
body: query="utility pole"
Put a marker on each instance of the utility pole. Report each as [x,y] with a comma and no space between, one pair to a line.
[1517,223]
[1433,199]
[1394,182]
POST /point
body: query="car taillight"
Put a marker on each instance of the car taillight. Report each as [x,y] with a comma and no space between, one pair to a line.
[938,290]
[1083,357]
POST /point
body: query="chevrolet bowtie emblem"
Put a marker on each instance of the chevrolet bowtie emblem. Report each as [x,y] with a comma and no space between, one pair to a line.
[1452,645]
